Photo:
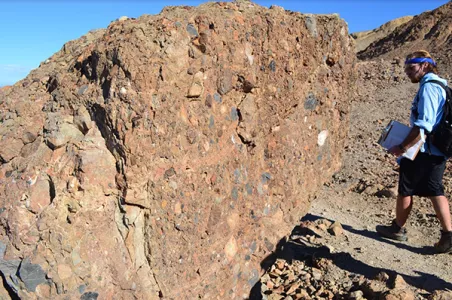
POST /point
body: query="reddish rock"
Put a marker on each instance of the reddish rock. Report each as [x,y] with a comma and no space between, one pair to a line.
[440,295]
[10,148]
[41,194]
[399,282]
[158,175]
[398,294]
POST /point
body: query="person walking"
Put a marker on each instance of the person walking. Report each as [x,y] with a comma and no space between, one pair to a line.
[422,176]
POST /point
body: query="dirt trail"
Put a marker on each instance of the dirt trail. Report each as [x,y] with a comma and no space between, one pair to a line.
[356,198]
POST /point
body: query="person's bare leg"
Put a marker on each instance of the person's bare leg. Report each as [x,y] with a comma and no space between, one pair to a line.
[403,209]
[441,206]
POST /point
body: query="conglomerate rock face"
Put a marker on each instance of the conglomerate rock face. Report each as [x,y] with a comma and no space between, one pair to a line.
[166,156]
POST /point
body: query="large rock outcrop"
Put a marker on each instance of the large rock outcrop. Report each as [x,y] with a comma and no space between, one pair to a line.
[166,156]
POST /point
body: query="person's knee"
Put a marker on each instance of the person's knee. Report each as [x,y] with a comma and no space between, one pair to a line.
[404,199]
[439,199]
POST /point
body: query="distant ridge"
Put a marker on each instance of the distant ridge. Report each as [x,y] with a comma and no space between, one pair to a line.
[431,30]
[364,38]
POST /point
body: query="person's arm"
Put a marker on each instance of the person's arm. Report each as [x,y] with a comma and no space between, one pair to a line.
[427,110]
[412,138]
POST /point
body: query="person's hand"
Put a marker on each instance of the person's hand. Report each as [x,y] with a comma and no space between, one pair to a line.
[396,150]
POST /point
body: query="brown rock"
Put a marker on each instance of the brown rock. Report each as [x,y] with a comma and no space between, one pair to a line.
[323,227]
[10,148]
[148,188]
[440,295]
[292,288]
[64,271]
[197,86]
[372,288]
[316,274]
[82,120]
[280,264]
[30,148]
[336,229]
[325,222]
[63,134]
[224,83]
[40,194]
[398,294]
[382,276]
[28,137]
[399,282]
[313,230]
[303,294]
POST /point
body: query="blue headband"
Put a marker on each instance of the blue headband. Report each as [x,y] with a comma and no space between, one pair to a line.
[418,60]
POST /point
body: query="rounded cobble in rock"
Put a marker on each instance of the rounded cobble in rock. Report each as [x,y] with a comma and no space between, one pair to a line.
[316,274]
[336,229]
[356,295]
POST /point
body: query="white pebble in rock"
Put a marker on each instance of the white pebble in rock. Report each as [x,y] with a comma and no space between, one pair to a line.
[356,295]
[321,138]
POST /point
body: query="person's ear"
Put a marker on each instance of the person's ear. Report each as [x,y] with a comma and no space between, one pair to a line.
[424,66]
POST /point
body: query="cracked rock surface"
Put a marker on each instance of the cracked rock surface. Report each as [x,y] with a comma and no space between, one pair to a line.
[166,156]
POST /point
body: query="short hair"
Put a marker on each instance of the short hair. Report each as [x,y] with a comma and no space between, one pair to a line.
[423,53]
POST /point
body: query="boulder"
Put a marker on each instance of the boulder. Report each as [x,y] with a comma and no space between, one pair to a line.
[169,154]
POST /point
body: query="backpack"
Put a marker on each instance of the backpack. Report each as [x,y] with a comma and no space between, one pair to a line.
[441,136]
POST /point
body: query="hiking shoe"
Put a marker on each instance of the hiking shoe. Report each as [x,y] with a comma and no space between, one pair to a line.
[445,243]
[393,231]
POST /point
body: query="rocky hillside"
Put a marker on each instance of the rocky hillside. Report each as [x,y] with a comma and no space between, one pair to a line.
[430,30]
[166,156]
[364,38]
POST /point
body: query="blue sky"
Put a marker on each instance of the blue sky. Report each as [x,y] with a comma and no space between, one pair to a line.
[31,31]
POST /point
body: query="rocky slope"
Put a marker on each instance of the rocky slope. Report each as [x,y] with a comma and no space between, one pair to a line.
[166,156]
[364,38]
[430,30]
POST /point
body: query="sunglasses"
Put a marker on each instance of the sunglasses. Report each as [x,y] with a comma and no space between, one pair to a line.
[411,67]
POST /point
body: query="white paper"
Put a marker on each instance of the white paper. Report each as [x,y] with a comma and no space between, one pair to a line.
[394,134]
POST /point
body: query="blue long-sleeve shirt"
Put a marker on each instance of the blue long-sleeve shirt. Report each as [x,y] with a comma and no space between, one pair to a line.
[427,109]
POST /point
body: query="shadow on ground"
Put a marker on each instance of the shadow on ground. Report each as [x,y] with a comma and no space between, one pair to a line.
[291,250]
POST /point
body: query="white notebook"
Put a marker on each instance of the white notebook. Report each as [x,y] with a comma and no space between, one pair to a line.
[394,134]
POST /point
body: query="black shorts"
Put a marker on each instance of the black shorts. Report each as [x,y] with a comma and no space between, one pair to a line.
[422,176]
